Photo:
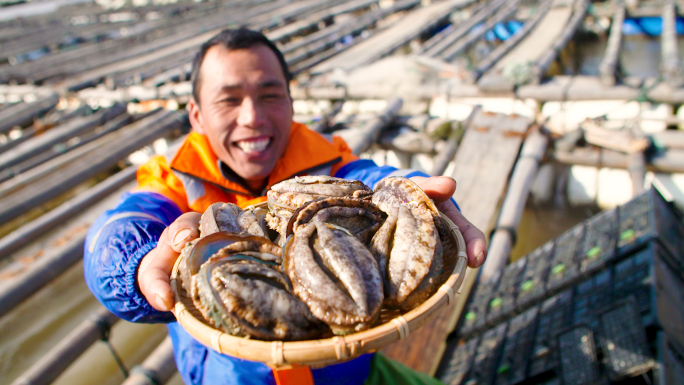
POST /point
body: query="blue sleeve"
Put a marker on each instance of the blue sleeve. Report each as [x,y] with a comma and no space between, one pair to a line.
[114,246]
[366,171]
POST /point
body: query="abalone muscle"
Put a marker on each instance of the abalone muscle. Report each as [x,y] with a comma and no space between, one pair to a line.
[227,219]
[359,216]
[335,275]
[246,296]
[408,247]
[287,196]
[231,218]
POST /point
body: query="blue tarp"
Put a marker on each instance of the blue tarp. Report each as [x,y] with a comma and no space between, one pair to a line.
[514,26]
[650,26]
[503,31]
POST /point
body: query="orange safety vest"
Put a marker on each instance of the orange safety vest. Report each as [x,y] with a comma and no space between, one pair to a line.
[193,180]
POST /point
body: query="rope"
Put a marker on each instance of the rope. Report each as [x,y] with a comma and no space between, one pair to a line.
[149,374]
[511,231]
[641,97]
[105,330]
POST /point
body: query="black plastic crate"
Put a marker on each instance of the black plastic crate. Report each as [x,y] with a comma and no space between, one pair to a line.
[550,381]
[670,355]
[564,267]
[591,296]
[600,238]
[624,343]
[512,367]
[502,304]
[650,217]
[532,283]
[554,315]
[460,358]
[634,277]
[483,370]
[578,359]
[475,315]
[657,288]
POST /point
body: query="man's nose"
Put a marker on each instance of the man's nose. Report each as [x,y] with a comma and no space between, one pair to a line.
[251,114]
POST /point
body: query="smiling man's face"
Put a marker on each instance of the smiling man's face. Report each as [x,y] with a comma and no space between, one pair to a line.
[245,110]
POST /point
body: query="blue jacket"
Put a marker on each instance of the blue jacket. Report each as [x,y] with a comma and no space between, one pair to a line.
[121,237]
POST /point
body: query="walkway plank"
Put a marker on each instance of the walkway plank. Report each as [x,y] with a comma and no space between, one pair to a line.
[386,41]
[484,161]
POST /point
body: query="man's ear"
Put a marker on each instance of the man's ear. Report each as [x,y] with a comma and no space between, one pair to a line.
[195,116]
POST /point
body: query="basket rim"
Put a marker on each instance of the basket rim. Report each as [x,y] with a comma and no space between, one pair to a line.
[326,351]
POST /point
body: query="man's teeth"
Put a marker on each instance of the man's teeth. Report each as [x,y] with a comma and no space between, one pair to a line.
[253,145]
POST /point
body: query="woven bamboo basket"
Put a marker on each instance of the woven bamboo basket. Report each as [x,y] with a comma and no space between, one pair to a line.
[320,352]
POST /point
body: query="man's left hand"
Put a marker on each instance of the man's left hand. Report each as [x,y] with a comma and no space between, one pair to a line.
[441,189]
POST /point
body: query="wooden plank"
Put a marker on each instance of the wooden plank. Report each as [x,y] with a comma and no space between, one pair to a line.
[485,158]
[469,35]
[334,8]
[542,33]
[541,38]
[478,15]
[384,42]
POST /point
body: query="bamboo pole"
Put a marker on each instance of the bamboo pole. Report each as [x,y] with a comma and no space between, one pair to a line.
[549,56]
[671,66]
[58,135]
[157,368]
[501,242]
[60,162]
[506,46]
[669,138]
[636,165]
[48,267]
[436,47]
[410,142]
[386,41]
[43,124]
[373,129]
[323,125]
[322,45]
[20,237]
[22,114]
[92,72]
[61,356]
[442,159]
[672,161]
[333,9]
[609,65]
[17,203]
[468,37]
[31,168]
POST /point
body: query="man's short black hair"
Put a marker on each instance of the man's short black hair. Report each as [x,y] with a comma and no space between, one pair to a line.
[231,39]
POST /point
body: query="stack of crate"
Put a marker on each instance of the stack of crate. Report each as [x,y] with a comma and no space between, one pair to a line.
[602,303]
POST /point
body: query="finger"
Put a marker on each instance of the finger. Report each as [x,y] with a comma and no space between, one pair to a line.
[182,230]
[156,266]
[154,283]
[476,246]
[153,275]
[439,188]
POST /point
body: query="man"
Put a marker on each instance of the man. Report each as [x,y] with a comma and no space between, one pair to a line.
[243,142]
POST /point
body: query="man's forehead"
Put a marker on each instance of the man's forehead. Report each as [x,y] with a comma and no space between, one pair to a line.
[236,62]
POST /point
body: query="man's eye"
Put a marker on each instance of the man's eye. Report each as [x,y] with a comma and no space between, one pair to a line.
[271,96]
[231,101]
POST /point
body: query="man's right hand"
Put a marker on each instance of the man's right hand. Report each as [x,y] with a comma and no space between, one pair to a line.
[155,268]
